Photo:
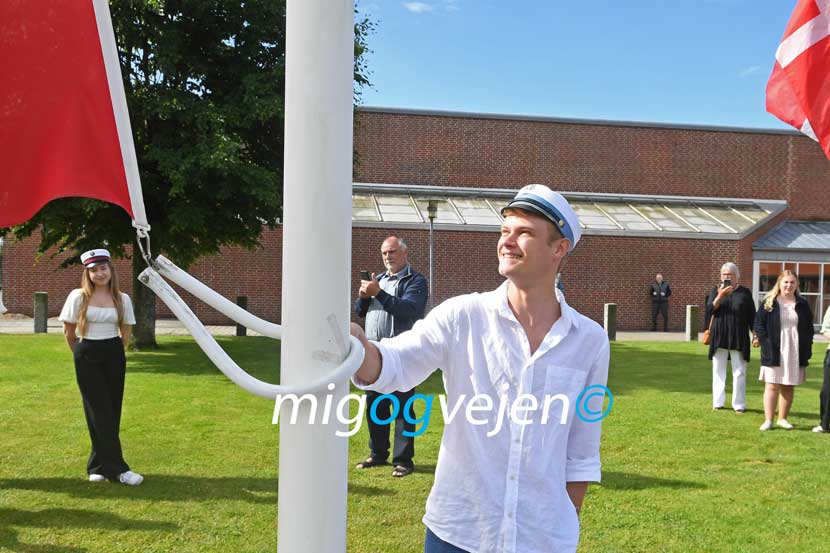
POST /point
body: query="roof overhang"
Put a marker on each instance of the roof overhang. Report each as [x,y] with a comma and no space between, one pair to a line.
[403,206]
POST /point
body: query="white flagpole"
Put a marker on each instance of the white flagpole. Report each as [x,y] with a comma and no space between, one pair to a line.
[316,267]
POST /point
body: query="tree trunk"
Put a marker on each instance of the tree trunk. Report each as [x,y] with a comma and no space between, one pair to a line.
[144,302]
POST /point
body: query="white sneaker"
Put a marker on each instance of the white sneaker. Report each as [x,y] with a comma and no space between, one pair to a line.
[783,423]
[766,426]
[97,478]
[818,428]
[130,478]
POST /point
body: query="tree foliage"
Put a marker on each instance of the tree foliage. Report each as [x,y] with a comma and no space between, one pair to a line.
[205,88]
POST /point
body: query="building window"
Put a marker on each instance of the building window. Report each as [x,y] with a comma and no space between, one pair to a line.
[813,280]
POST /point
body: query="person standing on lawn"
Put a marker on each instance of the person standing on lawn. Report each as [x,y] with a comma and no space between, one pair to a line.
[784,330]
[730,313]
[97,320]
[517,486]
[391,303]
[824,396]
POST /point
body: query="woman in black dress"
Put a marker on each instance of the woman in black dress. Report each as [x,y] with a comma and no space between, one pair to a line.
[730,313]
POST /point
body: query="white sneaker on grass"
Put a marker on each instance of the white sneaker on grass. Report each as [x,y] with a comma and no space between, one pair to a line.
[783,423]
[818,429]
[766,426]
[97,478]
[130,478]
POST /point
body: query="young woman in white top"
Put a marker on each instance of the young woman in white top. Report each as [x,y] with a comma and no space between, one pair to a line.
[97,319]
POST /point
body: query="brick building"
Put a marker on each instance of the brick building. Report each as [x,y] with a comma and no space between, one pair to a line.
[680,200]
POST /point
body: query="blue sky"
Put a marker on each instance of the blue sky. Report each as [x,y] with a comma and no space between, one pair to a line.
[684,61]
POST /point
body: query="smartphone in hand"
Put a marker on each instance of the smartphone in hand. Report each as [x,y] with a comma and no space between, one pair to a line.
[365,275]
[727,282]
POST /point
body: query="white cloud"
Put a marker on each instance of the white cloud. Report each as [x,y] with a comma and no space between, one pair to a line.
[418,7]
[749,71]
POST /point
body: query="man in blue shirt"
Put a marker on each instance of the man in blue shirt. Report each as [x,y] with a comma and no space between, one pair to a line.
[391,303]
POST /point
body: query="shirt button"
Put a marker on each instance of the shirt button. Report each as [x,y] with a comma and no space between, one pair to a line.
[509,515]
[513,477]
[516,440]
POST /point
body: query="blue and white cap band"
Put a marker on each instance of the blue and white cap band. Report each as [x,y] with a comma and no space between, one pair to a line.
[540,199]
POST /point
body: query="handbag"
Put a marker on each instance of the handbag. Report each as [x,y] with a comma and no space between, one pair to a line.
[707,333]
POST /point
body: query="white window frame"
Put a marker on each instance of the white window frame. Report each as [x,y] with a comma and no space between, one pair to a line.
[756,281]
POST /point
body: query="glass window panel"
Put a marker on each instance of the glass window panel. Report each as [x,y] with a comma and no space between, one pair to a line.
[754,213]
[791,267]
[813,300]
[824,309]
[808,274]
[698,219]
[363,208]
[476,211]
[663,218]
[726,215]
[768,272]
[446,214]
[627,217]
[826,279]
[397,209]
[592,217]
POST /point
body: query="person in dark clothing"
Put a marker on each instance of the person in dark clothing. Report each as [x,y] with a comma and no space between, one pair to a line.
[391,303]
[730,314]
[660,292]
[824,396]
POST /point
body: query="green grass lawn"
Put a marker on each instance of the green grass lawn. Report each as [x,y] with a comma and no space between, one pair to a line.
[677,476]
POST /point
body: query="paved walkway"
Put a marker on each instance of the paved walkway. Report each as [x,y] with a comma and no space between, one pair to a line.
[19,324]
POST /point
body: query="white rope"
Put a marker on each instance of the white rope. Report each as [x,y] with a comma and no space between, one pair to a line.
[220,303]
[222,360]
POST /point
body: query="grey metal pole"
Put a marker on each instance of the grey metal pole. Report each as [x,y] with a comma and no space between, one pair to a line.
[431,273]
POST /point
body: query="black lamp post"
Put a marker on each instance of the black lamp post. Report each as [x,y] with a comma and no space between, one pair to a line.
[432,213]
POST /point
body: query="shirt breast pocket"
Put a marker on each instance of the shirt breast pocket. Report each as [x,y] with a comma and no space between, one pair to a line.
[561,388]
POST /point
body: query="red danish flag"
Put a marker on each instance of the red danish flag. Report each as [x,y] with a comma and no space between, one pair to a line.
[64,129]
[798,91]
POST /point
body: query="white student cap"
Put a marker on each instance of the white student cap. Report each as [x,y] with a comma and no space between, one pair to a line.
[540,199]
[95,257]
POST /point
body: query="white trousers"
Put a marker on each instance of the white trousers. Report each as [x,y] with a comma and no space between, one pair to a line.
[719,378]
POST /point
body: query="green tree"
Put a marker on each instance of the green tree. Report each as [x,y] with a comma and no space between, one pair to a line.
[205,88]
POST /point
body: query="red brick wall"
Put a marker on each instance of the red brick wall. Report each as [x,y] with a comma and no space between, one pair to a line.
[238,272]
[599,271]
[430,149]
[482,152]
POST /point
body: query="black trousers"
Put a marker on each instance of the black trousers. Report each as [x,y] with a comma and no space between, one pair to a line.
[824,396]
[404,447]
[659,307]
[100,366]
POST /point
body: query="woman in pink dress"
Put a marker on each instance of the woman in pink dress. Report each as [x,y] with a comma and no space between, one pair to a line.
[784,329]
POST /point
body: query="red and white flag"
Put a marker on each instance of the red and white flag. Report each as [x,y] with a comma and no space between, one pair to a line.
[798,91]
[64,127]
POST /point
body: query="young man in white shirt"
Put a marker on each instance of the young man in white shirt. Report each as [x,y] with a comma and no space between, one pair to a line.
[515,482]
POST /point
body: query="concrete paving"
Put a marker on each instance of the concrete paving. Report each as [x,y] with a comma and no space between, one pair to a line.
[20,324]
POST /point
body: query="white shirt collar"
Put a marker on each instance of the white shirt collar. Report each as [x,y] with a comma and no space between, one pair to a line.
[497,300]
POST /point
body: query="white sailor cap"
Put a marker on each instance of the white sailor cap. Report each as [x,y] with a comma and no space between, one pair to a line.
[95,257]
[540,199]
